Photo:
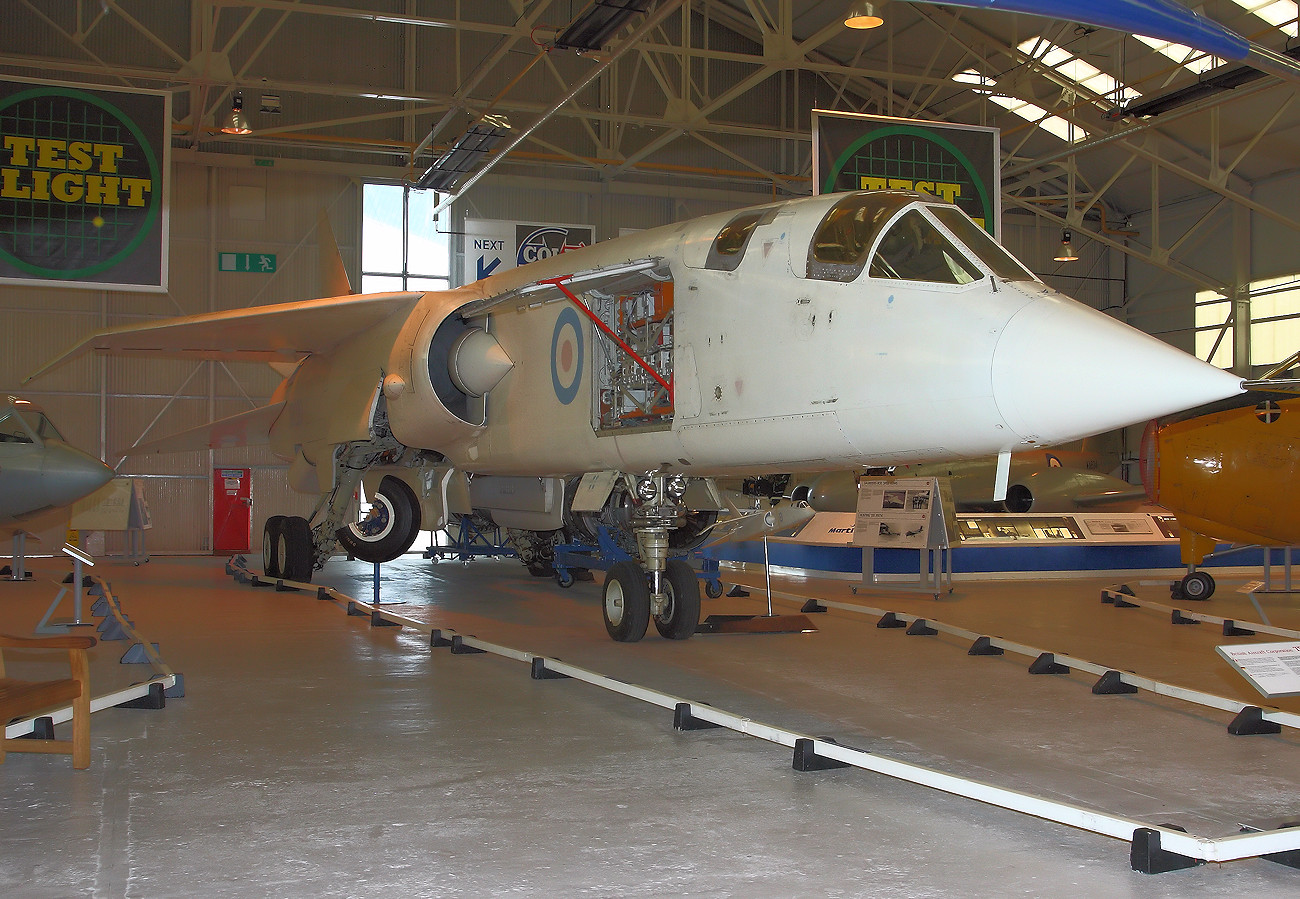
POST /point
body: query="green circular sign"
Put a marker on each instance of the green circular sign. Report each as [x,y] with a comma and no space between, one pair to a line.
[80,186]
[906,158]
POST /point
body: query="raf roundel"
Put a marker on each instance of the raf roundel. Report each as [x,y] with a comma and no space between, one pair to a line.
[566,356]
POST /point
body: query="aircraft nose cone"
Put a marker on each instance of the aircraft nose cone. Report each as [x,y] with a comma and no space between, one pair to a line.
[1062,371]
[69,474]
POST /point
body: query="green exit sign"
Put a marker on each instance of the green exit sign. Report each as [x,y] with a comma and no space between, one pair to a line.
[246,262]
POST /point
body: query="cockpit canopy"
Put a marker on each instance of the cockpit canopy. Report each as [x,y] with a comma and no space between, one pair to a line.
[901,235]
[23,422]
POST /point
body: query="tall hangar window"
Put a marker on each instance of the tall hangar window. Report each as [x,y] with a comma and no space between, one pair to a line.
[1274,323]
[401,246]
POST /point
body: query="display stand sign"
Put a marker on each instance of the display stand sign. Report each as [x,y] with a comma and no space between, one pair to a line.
[1272,668]
[492,246]
[905,513]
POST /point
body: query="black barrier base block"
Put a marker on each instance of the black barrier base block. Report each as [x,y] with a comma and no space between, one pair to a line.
[437,640]
[1047,664]
[806,758]
[154,699]
[258,582]
[1250,723]
[1146,856]
[356,612]
[1230,629]
[1111,684]
[541,672]
[889,619]
[42,729]
[378,620]
[282,587]
[684,720]
[1177,617]
[737,590]
[323,593]
[460,648]
[811,606]
[984,647]
[920,629]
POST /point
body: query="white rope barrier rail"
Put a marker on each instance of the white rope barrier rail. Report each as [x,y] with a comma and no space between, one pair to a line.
[1251,718]
[1154,848]
[147,694]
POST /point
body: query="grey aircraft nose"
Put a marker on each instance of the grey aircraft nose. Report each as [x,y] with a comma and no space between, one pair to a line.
[69,474]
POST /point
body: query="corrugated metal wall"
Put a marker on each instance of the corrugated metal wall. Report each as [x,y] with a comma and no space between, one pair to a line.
[107,404]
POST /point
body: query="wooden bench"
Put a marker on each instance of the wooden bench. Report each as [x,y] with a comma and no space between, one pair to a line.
[21,698]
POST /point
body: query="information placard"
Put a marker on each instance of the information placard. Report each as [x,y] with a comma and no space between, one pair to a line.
[1272,668]
[912,513]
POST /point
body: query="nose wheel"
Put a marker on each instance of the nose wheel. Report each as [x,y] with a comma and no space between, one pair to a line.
[681,612]
[627,606]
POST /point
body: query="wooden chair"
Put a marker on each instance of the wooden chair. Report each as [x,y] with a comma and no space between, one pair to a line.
[20,698]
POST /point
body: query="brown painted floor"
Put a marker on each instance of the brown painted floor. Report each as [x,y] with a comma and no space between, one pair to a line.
[315,756]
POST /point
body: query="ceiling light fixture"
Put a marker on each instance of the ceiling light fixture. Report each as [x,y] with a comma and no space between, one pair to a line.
[1067,253]
[465,153]
[236,122]
[863,16]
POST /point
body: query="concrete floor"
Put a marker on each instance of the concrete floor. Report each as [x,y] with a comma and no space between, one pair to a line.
[314,755]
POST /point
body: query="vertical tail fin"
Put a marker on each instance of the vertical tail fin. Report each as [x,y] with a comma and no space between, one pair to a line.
[333,276]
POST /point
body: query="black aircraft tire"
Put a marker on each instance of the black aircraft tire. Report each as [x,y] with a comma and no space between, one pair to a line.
[271,560]
[682,614]
[625,604]
[391,528]
[1197,586]
[297,550]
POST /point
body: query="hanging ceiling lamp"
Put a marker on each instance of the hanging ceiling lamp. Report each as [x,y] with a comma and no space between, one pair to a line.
[236,122]
[1067,253]
[862,16]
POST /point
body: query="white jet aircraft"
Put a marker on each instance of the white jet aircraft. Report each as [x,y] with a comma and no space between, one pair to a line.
[610,385]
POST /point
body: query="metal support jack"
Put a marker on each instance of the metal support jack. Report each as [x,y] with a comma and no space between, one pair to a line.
[49,626]
[18,570]
[770,623]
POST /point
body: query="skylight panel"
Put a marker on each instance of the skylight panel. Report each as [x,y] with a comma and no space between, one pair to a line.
[1055,125]
[1080,71]
[1066,131]
[1280,14]
[1194,61]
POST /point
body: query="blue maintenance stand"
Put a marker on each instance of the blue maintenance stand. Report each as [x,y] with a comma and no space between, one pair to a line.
[469,542]
[606,553]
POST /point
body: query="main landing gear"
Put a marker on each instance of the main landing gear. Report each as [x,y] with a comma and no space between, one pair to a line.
[1196,585]
[287,548]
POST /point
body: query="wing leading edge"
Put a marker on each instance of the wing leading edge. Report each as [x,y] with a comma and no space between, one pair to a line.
[281,333]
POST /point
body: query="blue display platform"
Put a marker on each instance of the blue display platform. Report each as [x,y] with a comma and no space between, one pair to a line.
[1002,544]
[984,559]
